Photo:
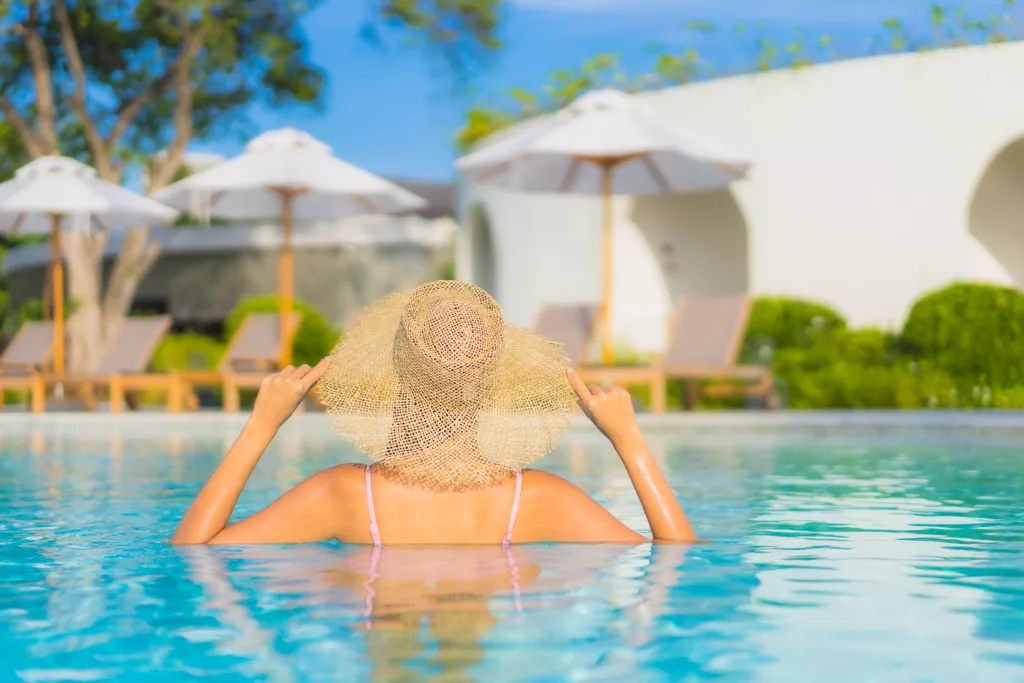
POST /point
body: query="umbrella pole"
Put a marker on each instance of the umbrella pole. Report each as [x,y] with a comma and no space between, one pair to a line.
[286,278]
[57,273]
[607,347]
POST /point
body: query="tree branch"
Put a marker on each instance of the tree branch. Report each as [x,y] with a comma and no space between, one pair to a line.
[42,73]
[33,145]
[130,109]
[164,171]
[101,153]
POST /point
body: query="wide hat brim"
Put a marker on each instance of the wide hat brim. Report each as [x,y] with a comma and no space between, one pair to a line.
[470,432]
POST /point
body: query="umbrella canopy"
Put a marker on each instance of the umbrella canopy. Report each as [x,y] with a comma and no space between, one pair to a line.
[605,143]
[249,186]
[61,186]
[47,191]
[287,174]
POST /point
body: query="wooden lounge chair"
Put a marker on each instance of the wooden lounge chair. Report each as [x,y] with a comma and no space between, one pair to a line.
[251,355]
[124,366]
[705,335]
[25,359]
[571,325]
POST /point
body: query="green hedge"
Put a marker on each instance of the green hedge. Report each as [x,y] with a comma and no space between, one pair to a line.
[315,338]
[961,347]
[781,323]
[188,352]
[859,369]
[975,332]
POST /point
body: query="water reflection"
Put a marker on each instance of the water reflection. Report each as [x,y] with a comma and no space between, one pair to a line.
[435,613]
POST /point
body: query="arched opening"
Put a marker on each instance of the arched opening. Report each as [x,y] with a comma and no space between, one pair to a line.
[481,248]
[698,240]
[996,217]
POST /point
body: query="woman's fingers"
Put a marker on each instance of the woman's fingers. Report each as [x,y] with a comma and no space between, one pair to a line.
[314,374]
[579,387]
[286,372]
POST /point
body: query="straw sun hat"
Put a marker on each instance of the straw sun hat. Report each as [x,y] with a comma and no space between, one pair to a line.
[433,385]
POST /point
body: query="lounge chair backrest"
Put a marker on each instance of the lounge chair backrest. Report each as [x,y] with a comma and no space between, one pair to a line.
[256,344]
[571,325]
[707,332]
[30,349]
[132,348]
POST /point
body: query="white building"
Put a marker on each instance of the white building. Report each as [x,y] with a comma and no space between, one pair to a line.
[873,181]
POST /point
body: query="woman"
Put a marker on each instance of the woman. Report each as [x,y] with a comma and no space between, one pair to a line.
[451,404]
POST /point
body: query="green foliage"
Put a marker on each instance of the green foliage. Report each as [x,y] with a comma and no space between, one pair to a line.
[782,323]
[131,52]
[446,23]
[562,88]
[188,352]
[449,271]
[315,338]
[962,347]
[857,369]
[32,309]
[974,331]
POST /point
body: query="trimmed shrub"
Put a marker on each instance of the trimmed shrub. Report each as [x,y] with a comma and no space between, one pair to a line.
[791,322]
[188,352]
[315,338]
[974,332]
[858,369]
[780,323]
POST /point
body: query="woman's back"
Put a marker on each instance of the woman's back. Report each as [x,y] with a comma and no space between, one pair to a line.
[408,515]
[549,508]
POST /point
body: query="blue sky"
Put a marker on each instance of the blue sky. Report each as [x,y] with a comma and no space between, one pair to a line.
[393,111]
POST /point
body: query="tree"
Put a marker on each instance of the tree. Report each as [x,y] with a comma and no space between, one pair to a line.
[126,80]
[113,84]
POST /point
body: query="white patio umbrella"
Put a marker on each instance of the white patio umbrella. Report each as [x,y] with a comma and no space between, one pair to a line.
[287,174]
[604,143]
[50,189]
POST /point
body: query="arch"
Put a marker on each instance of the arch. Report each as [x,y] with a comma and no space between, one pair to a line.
[996,216]
[483,264]
[699,241]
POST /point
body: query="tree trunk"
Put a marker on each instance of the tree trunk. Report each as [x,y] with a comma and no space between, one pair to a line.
[84,254]
[137,256]
[100,314]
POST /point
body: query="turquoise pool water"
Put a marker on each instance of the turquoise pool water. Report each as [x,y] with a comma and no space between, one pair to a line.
[861,555]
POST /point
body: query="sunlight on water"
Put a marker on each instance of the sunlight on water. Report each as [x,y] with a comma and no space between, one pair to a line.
[855,558]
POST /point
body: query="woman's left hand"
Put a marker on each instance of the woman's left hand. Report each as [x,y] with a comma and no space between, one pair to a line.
[281,393]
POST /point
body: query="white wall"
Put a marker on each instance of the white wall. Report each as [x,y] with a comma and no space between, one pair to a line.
[861,194]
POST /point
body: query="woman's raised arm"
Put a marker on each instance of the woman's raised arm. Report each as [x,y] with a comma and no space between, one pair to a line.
[279,396]
[611,411]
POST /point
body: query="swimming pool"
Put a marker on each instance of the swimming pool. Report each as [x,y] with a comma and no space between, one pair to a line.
[838,554]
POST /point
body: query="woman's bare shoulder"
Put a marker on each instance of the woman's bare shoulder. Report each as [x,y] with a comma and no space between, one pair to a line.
[543,482]
[555,491]
[558,510]
[341,482]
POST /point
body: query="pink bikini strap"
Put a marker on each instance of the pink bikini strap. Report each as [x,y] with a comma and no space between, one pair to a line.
[506,543]
[515,509]
[374,529]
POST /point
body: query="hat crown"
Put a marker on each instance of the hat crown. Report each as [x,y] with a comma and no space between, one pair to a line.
[449,342]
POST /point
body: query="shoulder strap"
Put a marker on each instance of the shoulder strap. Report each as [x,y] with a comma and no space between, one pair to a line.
[515,509]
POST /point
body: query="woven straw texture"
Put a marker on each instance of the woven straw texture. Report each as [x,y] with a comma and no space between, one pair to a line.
[433,385]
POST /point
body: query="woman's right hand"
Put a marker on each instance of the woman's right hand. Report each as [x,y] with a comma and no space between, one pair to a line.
[609,408]
[281,393]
